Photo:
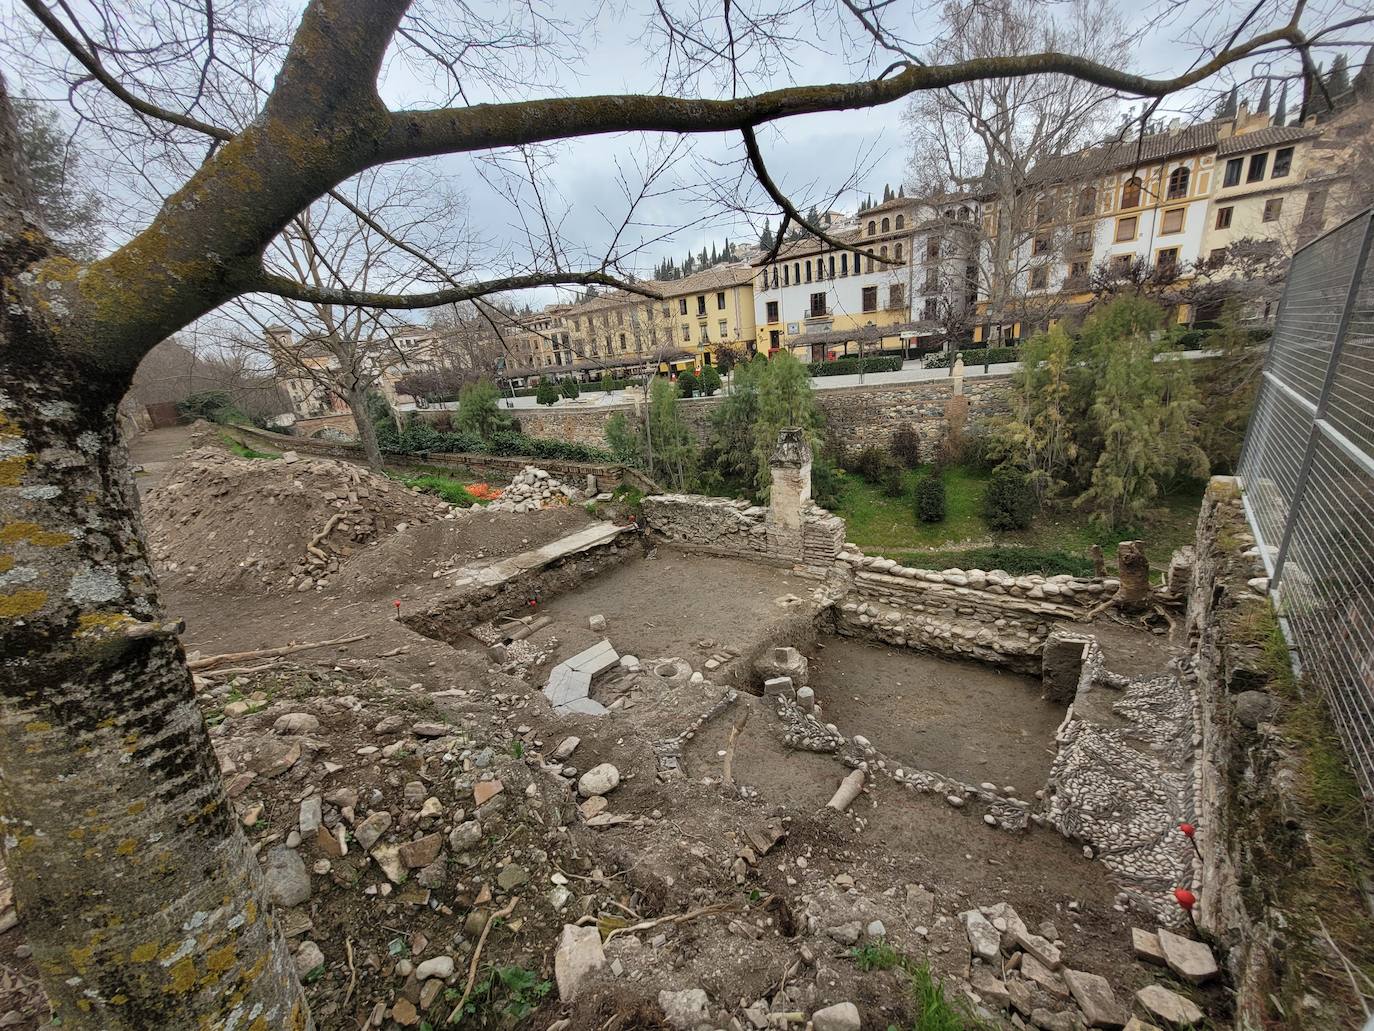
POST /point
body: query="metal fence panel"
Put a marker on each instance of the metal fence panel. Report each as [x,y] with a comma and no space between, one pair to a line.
[1307,473]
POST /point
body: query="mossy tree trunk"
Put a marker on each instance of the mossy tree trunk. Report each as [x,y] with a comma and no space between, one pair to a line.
[140,897]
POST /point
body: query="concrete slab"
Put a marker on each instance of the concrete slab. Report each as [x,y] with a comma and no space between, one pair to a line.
[585,706]
[567,685]
[596,659]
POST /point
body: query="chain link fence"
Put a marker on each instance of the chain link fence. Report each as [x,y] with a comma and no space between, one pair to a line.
[1307,472]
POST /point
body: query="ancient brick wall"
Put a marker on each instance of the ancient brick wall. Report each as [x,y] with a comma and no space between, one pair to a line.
[736,529]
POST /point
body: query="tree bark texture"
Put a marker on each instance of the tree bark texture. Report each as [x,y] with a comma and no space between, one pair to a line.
[138,893]
[367,433]
[1133,569]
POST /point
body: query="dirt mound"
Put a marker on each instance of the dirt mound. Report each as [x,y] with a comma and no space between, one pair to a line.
[414,557]
[222,522]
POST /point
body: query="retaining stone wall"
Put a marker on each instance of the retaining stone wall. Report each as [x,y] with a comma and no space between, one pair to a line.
[857,415]
[736,529]
[990,616]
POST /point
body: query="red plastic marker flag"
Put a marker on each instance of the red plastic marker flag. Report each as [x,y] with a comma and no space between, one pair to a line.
[1186,899]
[397,603]
[1188,829]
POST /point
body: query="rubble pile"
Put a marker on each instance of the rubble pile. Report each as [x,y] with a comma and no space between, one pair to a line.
[225,522]
[532,489]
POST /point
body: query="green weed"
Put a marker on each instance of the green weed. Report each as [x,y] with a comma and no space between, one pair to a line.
[244,451]
[505,995]
[876,955]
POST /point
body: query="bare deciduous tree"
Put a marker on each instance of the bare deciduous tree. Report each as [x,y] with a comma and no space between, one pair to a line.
[143,904]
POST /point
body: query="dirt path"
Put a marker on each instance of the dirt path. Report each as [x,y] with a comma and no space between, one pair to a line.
[154,450]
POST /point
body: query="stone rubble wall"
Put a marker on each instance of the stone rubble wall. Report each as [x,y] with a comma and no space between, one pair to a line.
[988,615]
[736,529]
[856,416]
[1246,776]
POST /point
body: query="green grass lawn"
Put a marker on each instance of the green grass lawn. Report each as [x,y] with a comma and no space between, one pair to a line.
[1057,541]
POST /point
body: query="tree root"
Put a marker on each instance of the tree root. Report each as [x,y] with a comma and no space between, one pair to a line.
[210,661]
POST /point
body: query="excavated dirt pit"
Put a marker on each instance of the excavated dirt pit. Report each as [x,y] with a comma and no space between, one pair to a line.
[961,719]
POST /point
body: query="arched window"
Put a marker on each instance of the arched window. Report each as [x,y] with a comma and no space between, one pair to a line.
[871,263]
[887,224]
[844,264]
[883,250]
[808,270]
[898,255]
[1087,201]
[786,276]
[1130,193]
[1178,183]
[901,221]
[963,214]
[796,271]
[872,227]
[831,270]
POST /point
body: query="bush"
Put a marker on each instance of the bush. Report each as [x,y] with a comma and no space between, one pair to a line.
[980,356]
[1008,503]
[420,438]
[930,498]
[893,480]
[1014,560]
[709,380]
[826,483]
[871,462]
[478,411]
[687,383]
[906,445]
[452,491]
[203,404]
[850,364]
[569,388]
[604,383]
[546,393]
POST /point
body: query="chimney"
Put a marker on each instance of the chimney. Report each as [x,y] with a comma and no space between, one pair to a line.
[1175,126]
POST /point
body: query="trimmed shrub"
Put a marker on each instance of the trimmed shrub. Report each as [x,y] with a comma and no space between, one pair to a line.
[906,445]
[1008,503]
[930,498]
[569,388]
[892,481]
[709,380]
[849,365]
[687,383]
[871,462]
[980,356]
[587,388]
[546,393]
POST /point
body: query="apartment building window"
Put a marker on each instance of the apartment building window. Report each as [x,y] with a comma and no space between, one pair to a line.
[687,333]
[1258,163]
[1283,163]
[901,221]
[1044,211]
[932,284]
[1041,244]
[796,272]
[1087,201]
[930,309]
[1167,260]
[1039,277]
[775,277]
[933,247]
[808,270]
[786,276]
[1173,221]
[1272,207]
[772,308]
[1130,194]
[896,296]
[1078,274]
[883,250]
[622,342]
[682,306]
[1121,264]
[701,304]
[1082,239]
[1178,183]
[720,301]
[620,318]
[871,263]
[1233,169]
[887,225]
[898,254]
[831,271]
[870,297]
[1224,217]
[818,305]
[872,227]
[720,328]
[1125,228]
[1217,255]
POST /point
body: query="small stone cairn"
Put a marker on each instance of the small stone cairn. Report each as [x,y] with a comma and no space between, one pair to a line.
[532,489]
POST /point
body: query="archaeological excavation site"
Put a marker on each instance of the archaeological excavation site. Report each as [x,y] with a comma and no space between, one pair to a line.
[571,762]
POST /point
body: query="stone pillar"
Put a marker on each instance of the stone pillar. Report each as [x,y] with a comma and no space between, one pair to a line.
[790,464]
[957,372]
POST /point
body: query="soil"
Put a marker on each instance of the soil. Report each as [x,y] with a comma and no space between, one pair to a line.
[674,604]
[960,719]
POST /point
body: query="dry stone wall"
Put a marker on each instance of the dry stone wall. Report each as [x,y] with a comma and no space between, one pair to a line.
[856,416]
[737,529]
[987,615]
